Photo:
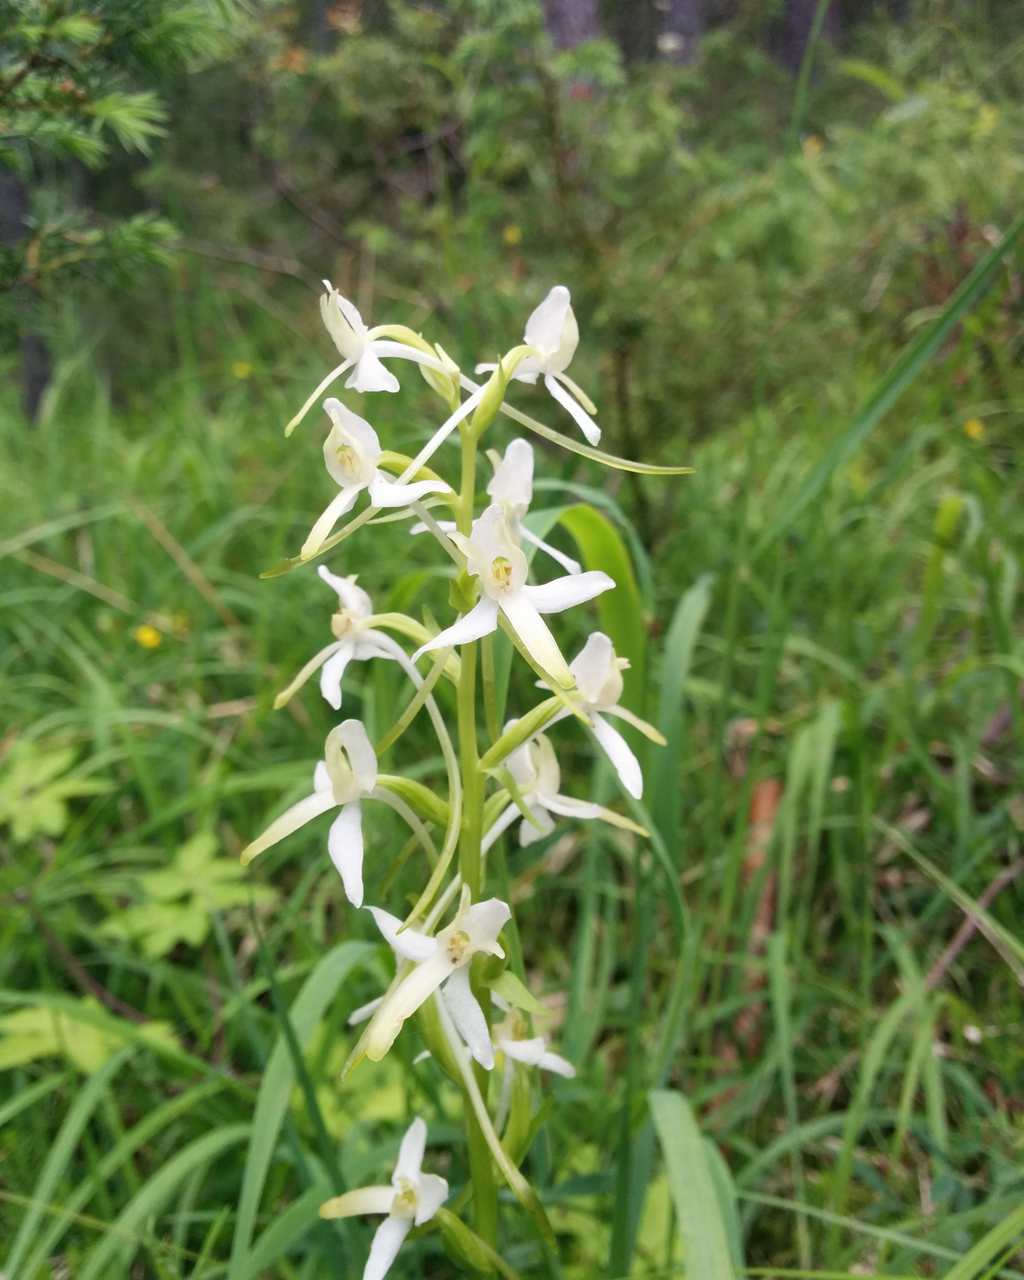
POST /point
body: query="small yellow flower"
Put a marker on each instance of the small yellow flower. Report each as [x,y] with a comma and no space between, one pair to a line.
[512,235]
[146,636]
[813,147]
[988,118]
[241,369]
[974,429]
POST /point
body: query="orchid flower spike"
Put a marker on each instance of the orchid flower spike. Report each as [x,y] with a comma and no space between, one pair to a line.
[351,454]
[534,768]
[511,489]
[598,674]
[440,962]
[494,556]
[553,334]
[342,779]
[355,641]
[412,1199]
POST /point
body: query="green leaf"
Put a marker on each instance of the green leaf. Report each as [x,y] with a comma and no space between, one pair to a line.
[42,1032]
[317,992]
[620,611]
[706,1251]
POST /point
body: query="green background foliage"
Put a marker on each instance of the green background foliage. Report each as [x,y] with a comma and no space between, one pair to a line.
[796,1013]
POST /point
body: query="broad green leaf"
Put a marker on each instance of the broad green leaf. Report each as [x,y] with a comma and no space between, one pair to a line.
[707,1254]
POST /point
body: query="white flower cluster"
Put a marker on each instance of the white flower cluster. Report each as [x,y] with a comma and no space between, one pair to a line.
[491,551]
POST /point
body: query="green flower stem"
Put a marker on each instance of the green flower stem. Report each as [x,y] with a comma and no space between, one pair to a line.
[481,1168]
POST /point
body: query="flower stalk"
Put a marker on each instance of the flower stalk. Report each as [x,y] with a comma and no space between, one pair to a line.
[450,950]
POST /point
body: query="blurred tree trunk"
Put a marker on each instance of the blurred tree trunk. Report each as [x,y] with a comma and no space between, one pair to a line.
[797,28]
[681,29]
[35,363]
[571,22]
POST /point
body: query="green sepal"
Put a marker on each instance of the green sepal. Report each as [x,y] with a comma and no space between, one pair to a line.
[523,729]
[516,993]
[467,1249]
[462,593]
[433,1036]
[519,1130]
[425,802]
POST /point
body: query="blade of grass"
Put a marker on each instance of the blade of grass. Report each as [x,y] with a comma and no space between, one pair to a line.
[202,1152]
[907,367]
[705,1239]
[275,1091]
[57,1162]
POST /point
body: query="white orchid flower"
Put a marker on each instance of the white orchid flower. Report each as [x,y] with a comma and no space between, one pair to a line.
[363,350]
[441,962]
[535,1053]
[598,675]
[554,335]
[345,777]
[534,768]
[494,556]
[351,454]
[412,1199]
[511,489]
[355,641]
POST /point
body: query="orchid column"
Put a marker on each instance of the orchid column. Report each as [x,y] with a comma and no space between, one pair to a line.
[451,967]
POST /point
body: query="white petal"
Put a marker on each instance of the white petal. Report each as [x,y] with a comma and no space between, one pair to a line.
[403,1002]
[512,484]
[342,502]
[370,375]
[567,562]
[546,327]
[642,726]
[354,428]
[593,665]
[362,1200]
[322,778]
[345,845]
[352,598]
[579,415]
[559,1065]
[542,825]
[528,1051]
[387,493]
[549,775]
[432,1192]
[483,921]
[442,433]
[361,755]
[364,1011]
[317,661]
[446,526]
[564,593]
[334,669]
[297,816]
[311,399]
[410,1153]
[409,944]
[532,630]
[386,1243]
[468,1017]
[567,807]
[481,620]
[505,820]
[618,751]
